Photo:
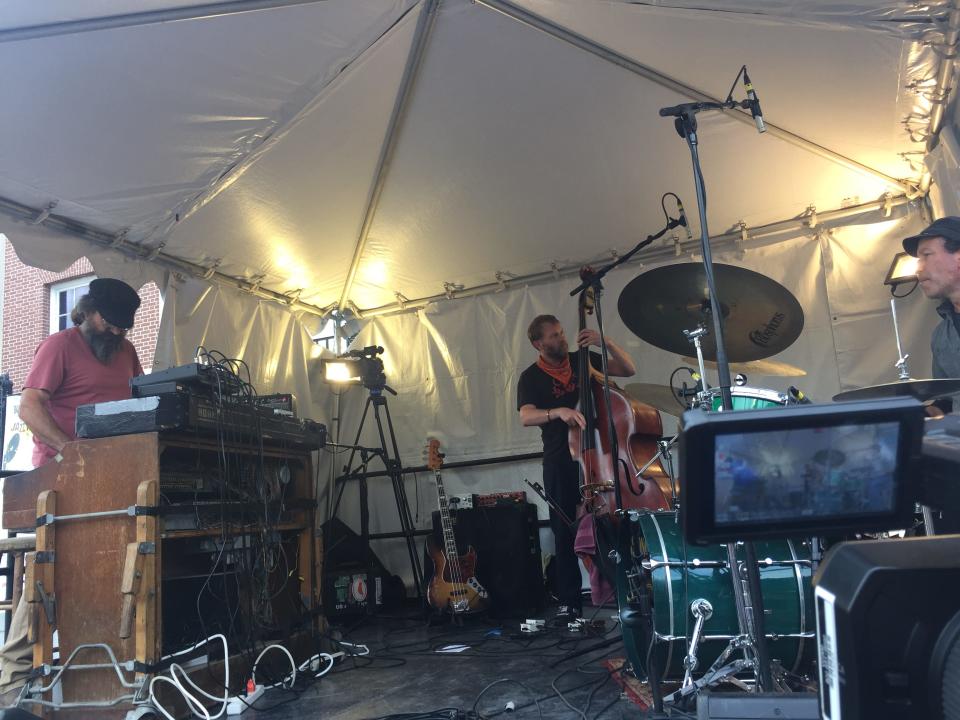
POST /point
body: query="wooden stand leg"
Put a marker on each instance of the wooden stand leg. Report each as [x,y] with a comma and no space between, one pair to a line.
[147,604]
[130,587]
[17,581]
[43,587]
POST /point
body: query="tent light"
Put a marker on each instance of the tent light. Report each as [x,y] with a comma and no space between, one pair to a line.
[342,371]
[903,269]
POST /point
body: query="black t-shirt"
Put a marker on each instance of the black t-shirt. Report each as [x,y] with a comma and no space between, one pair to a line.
[539,389]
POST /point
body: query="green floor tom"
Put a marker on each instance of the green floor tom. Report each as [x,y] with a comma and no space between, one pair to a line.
[676,574]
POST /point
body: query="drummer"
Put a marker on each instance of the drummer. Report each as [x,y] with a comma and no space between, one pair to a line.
[937,250]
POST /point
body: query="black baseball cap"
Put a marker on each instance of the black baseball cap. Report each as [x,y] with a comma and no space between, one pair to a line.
[116,301]
[946,227]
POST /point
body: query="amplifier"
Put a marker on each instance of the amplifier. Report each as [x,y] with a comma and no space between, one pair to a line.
[285,402]
[188,412]
[489,500]
[507,541]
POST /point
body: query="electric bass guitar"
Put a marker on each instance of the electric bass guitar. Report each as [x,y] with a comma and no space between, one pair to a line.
[454,585]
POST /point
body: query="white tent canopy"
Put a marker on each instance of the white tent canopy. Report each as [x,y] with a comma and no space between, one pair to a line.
[270,161]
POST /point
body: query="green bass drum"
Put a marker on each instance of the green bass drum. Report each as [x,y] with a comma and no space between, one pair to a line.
[653,552]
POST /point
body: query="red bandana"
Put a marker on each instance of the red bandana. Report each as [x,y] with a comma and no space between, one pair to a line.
[562,373]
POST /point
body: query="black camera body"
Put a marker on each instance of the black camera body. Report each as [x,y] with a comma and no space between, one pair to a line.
[370,366]
[887,611]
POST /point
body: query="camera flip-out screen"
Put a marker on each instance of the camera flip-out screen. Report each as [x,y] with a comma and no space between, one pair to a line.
[800,470]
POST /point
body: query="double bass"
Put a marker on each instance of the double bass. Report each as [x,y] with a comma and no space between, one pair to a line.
[638,427]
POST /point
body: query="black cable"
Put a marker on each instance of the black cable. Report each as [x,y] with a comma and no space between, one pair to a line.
[507,680]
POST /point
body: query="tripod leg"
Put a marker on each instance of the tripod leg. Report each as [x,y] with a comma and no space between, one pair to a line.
[399,493]
[348,468]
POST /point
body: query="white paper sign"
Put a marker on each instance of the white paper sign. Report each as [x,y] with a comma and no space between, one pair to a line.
[17,439]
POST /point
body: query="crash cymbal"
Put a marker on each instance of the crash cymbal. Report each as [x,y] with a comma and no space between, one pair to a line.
[661,397]
[761,317]
[773,368]
[919,389]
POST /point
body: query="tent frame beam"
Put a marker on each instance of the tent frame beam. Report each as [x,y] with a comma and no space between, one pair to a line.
[945,74]
[612,56]
[733,239]
[119,243]
[418,46]
[149,17]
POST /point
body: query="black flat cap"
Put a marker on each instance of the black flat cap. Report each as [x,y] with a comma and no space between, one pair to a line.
[116,301]
[945,227]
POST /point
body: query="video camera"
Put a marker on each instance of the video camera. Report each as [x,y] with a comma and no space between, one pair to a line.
[369,366]
[888,611]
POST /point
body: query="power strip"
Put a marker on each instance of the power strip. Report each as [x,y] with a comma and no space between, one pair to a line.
[236,705]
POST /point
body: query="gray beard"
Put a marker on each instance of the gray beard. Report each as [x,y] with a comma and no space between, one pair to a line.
[104,345]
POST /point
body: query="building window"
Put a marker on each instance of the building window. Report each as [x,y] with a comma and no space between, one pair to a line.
[63,296]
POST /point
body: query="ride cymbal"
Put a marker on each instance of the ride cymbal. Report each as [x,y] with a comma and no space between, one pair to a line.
[662,397]
[922,390]
[761,317]
[774,368]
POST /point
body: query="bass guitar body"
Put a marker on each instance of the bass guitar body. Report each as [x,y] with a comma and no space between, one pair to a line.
[445,592]
[454,586]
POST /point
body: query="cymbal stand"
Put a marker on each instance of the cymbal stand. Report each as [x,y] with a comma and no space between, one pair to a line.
[663,452]
[901,364]
[694,337]
[748,594]
[703,397]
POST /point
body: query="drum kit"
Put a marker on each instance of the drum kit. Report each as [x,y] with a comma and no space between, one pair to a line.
[685,610]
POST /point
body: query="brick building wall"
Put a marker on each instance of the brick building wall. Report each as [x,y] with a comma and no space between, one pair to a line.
[26,313]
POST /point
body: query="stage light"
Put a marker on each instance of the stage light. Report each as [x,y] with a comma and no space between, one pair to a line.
[903,269]
[342,371]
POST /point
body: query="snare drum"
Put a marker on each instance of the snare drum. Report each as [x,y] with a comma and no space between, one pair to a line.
[748,398]
[677,574]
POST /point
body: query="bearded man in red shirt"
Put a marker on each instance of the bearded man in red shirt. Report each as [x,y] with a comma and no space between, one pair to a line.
[90,362]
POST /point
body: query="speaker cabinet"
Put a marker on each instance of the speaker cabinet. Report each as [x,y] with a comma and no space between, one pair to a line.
[507,541]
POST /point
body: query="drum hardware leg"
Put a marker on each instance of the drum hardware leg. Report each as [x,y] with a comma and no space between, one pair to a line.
[668,466]
[746,593]
[694,337]
[758,620]
[702,610]
[710,678]
[928,526]
[816,553]
[901,363]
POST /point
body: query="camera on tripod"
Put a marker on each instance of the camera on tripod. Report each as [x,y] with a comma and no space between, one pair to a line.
[887,610]
[358,367]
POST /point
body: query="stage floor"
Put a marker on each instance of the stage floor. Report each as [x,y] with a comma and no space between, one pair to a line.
[407,671]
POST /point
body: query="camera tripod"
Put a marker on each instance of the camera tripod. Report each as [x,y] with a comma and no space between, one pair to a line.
[377,400]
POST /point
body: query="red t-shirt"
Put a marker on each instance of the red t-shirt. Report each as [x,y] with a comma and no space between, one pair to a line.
[65,366]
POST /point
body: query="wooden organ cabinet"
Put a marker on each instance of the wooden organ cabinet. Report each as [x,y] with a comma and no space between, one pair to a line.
[148,543]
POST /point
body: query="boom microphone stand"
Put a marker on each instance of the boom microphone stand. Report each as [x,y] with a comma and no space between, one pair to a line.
[750,616]
[592,279]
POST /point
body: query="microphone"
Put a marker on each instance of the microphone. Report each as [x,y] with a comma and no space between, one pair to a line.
[754,102]
[798,396]
[683,219]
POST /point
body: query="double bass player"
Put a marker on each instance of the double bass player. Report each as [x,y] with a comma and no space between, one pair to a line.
[547,395]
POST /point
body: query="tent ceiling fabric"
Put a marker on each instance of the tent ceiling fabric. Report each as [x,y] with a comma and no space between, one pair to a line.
[224,146]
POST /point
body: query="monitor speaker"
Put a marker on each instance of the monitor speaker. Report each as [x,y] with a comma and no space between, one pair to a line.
[888,620]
